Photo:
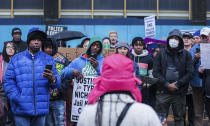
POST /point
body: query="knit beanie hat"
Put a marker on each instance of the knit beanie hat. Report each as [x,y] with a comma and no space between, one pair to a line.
[122,43]
[36,33]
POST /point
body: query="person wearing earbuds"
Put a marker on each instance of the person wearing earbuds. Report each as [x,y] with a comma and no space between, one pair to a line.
[173,67]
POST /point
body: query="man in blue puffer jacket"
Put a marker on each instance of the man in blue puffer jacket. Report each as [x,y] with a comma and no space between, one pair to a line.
[27,83]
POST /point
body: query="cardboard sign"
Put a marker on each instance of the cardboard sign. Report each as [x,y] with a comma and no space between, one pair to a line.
[205,57]
[149,24]
[72,53]
[81,91]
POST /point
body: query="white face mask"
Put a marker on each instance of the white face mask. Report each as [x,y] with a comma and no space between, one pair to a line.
[173,43]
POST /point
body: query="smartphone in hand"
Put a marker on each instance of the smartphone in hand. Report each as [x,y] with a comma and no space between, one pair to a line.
[197,50]
[94,56]
[48,66]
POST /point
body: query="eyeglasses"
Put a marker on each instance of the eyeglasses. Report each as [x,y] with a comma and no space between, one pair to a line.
[10,47]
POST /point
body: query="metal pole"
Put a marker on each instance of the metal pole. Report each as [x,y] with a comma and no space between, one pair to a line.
[12,9]
[190,9]
[157,13]
[125,9]
[59,8]
[92,9]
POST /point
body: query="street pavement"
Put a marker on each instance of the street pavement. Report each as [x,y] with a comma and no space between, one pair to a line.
[170,121]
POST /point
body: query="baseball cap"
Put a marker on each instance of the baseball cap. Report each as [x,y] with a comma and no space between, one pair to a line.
[187,34]
[16,30]
[205,31]
[197,33]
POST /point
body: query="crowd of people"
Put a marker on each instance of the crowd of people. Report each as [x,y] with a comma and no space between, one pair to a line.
[36,81]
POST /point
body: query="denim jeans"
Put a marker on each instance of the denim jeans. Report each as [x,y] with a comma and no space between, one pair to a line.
[56,113]
[29,120]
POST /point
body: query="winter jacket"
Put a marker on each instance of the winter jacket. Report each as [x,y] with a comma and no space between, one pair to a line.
[136,68]
[206,81]
[80,62]
[183,64]
[147,93]
[61,62]
[196,81]
[137,115]
[142,58]
[60,93]
[25,86]
[3,97]
[20,45]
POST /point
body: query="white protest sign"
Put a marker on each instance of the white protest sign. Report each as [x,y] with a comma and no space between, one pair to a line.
[81,91]
[149,24]
[52,30]
[205,55]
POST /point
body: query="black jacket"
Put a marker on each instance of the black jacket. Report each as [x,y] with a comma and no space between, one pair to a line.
[20,46]
[143,58]
[148,94]
[182,61]
[206,81]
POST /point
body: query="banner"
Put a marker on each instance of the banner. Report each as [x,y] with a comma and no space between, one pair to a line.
[72,53]
[81,91]
[149,24]
[205,57]
[52,30]
[153,43]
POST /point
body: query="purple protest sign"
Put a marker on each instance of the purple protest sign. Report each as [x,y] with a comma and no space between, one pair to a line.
[152,43]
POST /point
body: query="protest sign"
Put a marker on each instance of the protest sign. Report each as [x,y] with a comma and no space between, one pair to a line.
[205,57]
[153,43]
[52,30]
[143,68]
[149,24]
[81,91]
[72,53]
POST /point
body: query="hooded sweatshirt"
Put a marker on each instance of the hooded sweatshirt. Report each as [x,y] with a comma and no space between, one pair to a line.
[142,58]
[180,59]
[82,62]
[148,94]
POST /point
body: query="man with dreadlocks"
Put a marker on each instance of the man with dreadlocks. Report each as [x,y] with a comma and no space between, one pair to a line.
[115,99]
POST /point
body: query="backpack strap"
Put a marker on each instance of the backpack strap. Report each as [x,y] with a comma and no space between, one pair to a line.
[123,113]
